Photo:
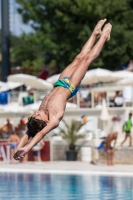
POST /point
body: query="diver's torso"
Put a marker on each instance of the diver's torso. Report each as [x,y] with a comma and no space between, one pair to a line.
[55,102]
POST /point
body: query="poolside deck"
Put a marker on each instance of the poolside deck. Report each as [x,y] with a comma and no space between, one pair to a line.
[67,167]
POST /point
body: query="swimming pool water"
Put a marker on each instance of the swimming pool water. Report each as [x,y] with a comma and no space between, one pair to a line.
[64,187]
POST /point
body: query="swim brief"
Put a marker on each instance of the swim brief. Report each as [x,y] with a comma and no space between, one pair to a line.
[65,82]
[37,153]
[13,146]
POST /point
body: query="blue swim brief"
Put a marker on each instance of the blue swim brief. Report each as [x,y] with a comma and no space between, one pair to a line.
[13,146]
[65,82]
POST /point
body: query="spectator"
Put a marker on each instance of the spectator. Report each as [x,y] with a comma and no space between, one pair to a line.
[128,95]
[7,129]
[85,98]
[37,150]
[14,140]
[118,100]
[31,92]
[21,129]
[84,92]
[110,150]
[30,98]
[127,129]
[98,97]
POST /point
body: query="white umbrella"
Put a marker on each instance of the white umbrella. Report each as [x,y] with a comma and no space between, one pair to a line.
[53,79]
[118,75]
[97,75]
[21,78]
[5,86]
[39,84]
[1,83]
[92,76]
[104,114]
[13,108]
[31,81]
[125,82]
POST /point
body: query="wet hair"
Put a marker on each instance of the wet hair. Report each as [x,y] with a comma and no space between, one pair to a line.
[34,126]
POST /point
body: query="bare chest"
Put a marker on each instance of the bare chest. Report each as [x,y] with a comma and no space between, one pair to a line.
[53,104]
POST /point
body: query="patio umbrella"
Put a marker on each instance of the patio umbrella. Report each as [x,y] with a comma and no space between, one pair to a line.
[92,76]
[125,82]
[1,83]
[97,75]
[39,84]
[53,79]
[31,81]
[5,86]
[21,78]
[104,115]
[123,74]
[13,108]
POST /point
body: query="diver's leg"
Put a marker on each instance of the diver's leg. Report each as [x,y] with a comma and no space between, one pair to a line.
[68,71]
[79,72]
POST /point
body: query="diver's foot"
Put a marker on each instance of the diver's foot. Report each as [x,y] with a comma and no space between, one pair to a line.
[106,31]
[97,30]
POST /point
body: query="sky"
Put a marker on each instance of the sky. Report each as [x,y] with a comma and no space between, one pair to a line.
[16,24]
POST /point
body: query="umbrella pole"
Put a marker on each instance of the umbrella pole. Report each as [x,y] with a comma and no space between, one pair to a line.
[78,99]
[107,98]
[35,96]
[105,127]
[92,99]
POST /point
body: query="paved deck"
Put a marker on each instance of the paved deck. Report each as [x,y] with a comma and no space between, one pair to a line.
[67,167]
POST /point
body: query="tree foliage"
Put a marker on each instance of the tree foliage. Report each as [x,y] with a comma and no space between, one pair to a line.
[26,51]
[63,26]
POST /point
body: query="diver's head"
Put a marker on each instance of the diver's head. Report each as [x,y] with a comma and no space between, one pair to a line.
[36,123]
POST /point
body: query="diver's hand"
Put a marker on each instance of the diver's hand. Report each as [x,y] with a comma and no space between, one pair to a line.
[20,153]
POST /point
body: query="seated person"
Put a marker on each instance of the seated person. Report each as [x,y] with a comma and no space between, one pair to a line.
[118,100]
[21,128]
[7,129]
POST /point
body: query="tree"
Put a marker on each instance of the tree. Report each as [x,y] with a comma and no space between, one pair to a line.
[26,51]
[63,26]
[71,133]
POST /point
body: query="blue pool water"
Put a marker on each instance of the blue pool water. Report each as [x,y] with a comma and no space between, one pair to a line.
[64,187]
